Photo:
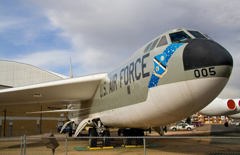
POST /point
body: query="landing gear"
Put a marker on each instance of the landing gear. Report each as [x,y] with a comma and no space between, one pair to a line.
[132,133]
[93,141]
[100,133]
[226,124]
[106,141]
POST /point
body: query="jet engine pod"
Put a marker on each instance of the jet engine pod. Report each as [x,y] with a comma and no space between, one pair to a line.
[231,105]
[220,107]
[237,102]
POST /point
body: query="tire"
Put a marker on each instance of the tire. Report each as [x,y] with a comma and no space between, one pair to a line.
[189,129]
[139,133]
[120,131]
[126,133]
[70,132]
[106,141]
[93,141]
[174,129]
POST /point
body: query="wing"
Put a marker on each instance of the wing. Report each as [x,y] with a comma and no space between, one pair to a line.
[80,88]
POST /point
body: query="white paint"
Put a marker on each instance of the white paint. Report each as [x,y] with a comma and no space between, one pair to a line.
[219,107]
[32,118]
[166,104]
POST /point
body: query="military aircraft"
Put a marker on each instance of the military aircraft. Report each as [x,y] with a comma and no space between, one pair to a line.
[223,107]
[168,79]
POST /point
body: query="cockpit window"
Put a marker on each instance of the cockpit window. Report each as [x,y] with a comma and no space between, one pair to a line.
[147,48]
[196,34]
[163,41]
[179,37]
[154,44]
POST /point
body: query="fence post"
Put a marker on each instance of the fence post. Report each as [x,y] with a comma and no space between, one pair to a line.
[66,145]
[24,144]
[144,144]
[21,144]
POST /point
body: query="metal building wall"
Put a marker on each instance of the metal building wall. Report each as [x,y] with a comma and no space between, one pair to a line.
[13,119]
[16,74]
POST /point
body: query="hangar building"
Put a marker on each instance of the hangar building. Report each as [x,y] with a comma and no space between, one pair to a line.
[13,119]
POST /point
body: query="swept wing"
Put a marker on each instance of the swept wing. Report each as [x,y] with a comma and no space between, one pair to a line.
[80,88]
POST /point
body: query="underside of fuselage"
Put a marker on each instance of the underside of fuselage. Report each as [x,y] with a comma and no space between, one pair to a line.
[166,104]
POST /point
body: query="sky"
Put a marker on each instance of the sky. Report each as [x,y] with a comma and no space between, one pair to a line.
[99,34]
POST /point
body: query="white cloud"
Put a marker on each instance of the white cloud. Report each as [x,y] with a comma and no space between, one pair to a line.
[111,30]
[5,24]
[45,59]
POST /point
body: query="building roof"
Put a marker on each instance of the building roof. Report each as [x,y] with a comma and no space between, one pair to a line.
[15,74]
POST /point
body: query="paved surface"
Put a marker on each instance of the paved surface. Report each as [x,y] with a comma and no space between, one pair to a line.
[166,145]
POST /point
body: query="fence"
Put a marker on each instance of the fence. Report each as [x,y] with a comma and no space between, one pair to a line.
[121,145]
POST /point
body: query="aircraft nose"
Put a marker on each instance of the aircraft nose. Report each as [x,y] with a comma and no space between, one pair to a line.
[201,53]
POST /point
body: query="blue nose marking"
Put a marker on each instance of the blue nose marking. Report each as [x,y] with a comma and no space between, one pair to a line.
[160,64]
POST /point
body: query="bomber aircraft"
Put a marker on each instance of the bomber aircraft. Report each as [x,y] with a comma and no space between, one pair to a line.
[168,79]
[223,107]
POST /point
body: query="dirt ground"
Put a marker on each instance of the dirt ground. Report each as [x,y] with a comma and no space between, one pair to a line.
[207,140]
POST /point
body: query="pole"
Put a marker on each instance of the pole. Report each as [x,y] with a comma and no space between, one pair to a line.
[24,144]
[144,143]
[21,144]
[5,117]
[66,144]
[41,121]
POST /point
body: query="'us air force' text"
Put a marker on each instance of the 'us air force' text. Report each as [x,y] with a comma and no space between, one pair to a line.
[132,72]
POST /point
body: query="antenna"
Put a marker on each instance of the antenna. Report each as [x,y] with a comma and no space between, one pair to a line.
[71,72]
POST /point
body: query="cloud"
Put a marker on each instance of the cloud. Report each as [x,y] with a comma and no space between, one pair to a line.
[45,59]
[5,24]
[91,61]
[109,31]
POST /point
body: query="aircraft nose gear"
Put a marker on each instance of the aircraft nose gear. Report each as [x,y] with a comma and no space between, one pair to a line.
[100,128]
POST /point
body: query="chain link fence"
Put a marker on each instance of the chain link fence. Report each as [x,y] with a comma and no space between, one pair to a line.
[122,145]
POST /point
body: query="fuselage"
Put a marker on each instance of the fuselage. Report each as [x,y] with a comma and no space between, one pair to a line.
[168,79]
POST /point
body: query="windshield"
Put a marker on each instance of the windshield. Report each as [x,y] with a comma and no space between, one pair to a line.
[196,34]
[179,37]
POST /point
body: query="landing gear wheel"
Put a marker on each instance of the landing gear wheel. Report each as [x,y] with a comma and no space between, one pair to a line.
[92,141]
[140,133]
[120,131]
[106,141]
[133,133]
[126,133]
[226,124]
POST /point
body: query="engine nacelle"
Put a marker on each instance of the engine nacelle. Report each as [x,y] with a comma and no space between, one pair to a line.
[222,107]
[237,102]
